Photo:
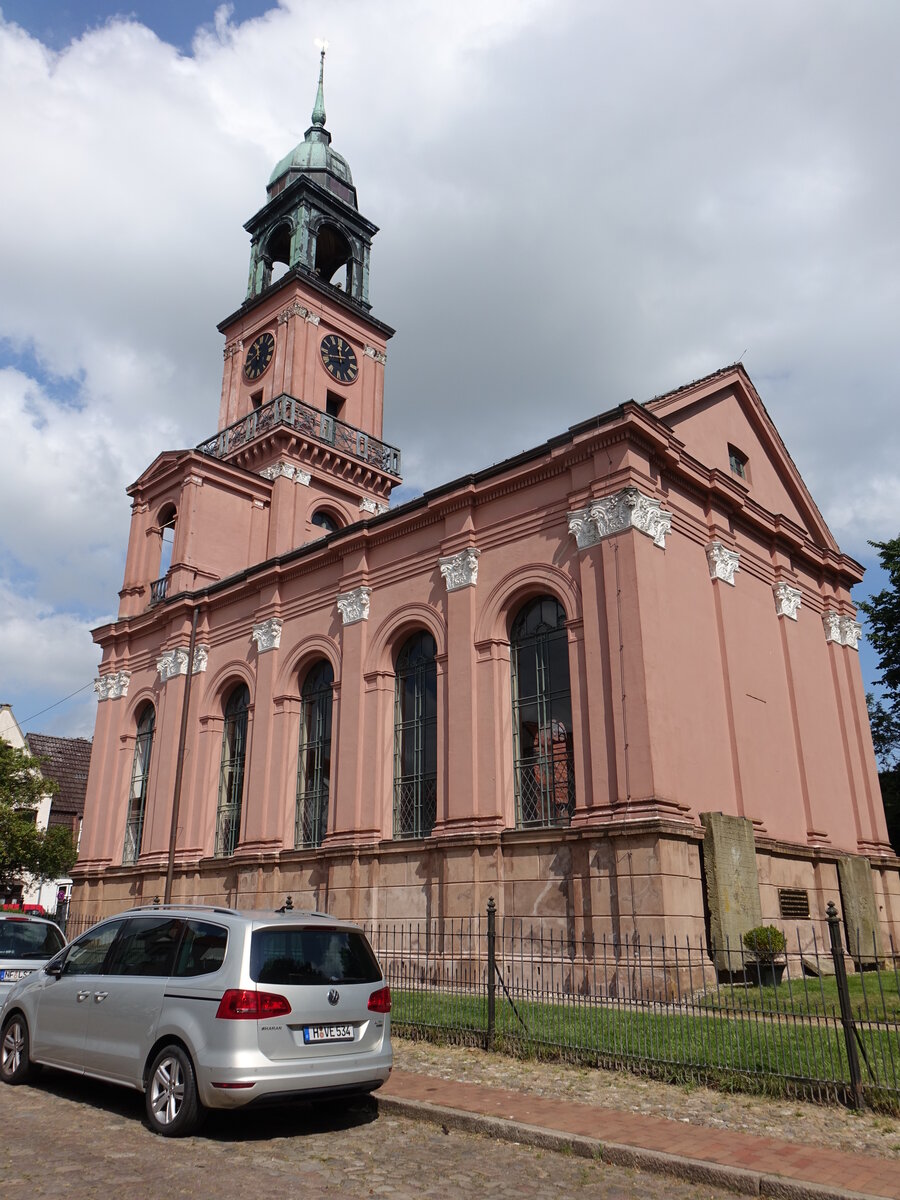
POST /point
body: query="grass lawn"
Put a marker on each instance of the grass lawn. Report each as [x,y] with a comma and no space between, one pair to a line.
[747,1050]
[874,996]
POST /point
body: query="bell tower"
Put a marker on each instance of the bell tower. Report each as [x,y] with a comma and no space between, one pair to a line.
[303,381]
[312,220]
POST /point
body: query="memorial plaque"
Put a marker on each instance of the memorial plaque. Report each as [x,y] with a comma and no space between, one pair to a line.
[860,911]
[732,886]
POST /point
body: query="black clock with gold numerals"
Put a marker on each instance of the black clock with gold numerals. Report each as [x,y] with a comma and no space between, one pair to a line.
[339,359]
[259,355]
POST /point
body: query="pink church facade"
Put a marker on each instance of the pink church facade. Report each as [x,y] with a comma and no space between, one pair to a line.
[528,683]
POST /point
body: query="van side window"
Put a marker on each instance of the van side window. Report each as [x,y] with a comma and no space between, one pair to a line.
[202,950]
[147,947]
[87,955]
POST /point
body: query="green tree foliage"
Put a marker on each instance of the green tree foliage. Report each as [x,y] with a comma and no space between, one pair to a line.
[25,849]
[882,613]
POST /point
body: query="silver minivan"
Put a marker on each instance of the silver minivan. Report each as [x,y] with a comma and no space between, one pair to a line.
[26,943]
[206,1007]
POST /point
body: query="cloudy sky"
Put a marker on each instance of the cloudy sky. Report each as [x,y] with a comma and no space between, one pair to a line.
[580,201]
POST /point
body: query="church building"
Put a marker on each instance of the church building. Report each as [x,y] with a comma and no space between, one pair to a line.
[611,681]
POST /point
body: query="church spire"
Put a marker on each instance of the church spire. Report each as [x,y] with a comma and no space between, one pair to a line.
[318,112]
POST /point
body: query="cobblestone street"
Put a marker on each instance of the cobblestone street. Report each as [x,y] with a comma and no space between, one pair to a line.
[84,1140]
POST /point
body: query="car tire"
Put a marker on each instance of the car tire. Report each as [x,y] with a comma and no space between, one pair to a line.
[15,1063]
[171,1100]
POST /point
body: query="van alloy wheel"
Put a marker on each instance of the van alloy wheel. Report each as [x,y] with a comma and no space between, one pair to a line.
[173,1107]
[15,1064]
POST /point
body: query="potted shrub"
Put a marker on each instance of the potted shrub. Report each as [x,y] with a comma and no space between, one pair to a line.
[766,943]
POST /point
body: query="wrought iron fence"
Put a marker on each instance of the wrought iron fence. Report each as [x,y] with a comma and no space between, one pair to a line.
[818,1023]
[655,1007]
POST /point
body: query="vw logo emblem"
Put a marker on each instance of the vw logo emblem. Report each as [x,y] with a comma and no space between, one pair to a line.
[333,996]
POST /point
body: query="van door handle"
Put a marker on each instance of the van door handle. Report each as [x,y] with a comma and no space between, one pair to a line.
[100,996]
[79,996]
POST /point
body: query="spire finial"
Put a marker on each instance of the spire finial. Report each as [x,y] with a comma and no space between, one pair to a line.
[318,112]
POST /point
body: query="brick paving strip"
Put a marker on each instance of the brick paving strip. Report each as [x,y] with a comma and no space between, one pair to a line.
[748,1164]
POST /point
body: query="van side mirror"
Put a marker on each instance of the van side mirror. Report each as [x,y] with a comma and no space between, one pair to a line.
[54,968]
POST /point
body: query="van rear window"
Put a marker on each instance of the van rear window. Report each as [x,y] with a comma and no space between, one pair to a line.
[29,939]
[300,956]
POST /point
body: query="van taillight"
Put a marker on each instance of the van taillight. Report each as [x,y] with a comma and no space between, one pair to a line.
[247,1004]
[380,1001]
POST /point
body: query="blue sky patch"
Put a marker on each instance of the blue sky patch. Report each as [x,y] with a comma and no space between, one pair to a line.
[57,24]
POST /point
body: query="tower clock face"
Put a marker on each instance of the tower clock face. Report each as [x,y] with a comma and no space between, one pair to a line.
[339,359]
[259,355]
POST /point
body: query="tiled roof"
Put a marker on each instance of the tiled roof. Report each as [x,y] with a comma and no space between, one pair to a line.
[66,760]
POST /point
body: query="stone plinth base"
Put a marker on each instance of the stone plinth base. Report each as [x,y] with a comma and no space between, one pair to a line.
[635,882]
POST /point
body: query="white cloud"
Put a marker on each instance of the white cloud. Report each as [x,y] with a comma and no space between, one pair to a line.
[580,202]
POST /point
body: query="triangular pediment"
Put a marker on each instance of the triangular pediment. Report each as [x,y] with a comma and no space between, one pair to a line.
[723,414]
[161,468]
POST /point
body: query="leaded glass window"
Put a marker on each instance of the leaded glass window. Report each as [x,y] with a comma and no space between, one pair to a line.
[231,774]
[314,772]
[415,737]
[140,777]
[542,716]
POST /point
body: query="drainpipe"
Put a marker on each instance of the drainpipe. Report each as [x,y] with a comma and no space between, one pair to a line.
[179,766]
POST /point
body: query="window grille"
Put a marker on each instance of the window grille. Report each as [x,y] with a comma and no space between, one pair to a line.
[542,716]
[231,774]
[793,903]
[314,769]
[415,738]
[140,776]
[737,460]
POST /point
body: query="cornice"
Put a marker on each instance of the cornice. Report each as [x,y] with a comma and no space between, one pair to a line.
[682,475]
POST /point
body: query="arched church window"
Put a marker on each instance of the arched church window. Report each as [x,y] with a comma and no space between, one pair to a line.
[542,715]
[333,251]
[415,737]
[167,518]
[140,777]
[324,521]
[231,774]
[314,770]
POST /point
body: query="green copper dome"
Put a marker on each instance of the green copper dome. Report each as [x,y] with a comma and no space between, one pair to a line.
[315,157]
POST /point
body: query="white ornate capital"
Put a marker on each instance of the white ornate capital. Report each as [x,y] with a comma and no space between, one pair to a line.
[460,570]
[354,606]
[267,634]
[852,632]
[292,310]
[313,318]
[172,663]
[378,355]
[233,348]
[843,631]
[279,470]
[112,687]
[832,623]
[627,509]
[302,477]
[722,562]
[368,505]
[787,600]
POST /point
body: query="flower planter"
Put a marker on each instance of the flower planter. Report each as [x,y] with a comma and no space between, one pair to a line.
[766,974]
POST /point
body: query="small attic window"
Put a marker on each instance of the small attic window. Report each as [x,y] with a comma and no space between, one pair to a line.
[737,460]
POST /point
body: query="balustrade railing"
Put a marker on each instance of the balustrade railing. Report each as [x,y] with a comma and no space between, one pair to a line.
[158,589]
[286,410]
